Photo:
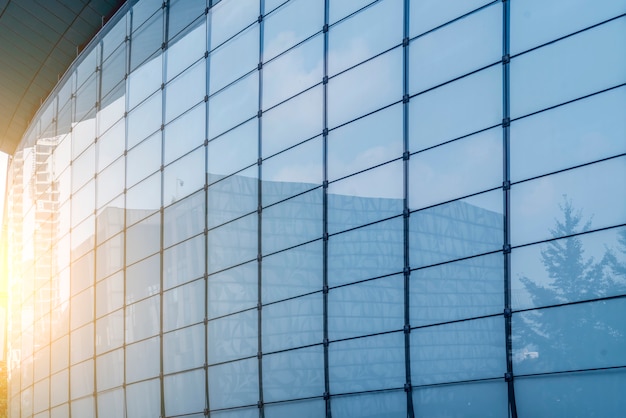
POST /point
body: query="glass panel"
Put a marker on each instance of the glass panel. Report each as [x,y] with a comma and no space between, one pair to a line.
[110,370]
[111,145]
[568,69]
[143,160]
[82,272]
[236,149]
[143,399]
[460,168]
[428,14]
[83,135]
[293,323]
[291,24]
[81,380]
[41,395]
[185,50]
[293,374]
[232,290]
[143,239]
[578,394]
[366,308]
[184,393]
[183,305]
[184,134]
[81,347]
[549,340]
[82,308]
[456,109]
[292,273]
[183,349]
[185,176]
[292,222]
[183,262]
[59,388]
[113,70]
[577,133]
[60,412]
[365,142]
[110,294]
[347,99]
[302,409]
[60,354]
[112,108]
[142,319]
[144,357]
[114,37]
[233,197]
[232,337]
[293,72]
[83,168]
[144,81]
[367,252]
[182,14]
[233,105]
[229,17]
[86,97]
[185,90]
[481,399]
[142,279]
[366,364]
[143,199]
[234,384]
[232,243]
[146,40]
[555,19]
[144,120]
[110,182]
[379,405]
[457,229]
[349,44]
[84,407]
[571,269]
[110,257]
[458,351]
[183,219]
[366,197]
[459,290]
[293,121]
[563,203]
[111,404]
[291,172]
[234,59]
[339,9]
[451,51]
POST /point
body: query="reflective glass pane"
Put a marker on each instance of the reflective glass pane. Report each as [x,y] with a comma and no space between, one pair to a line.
[110,182]
[143,399]
[480,399]
[142,319]
[144,356]
[365,364]
[183,349]
[183,219]
[182,15]
[81,379]
[183,306]
[113,71]
[458,290]
[229,17]
[234,59]
[292,222]
[110,294]
[293,374]
[292,273]
[293,72]
[185,50]
[365,142]
[233,105]
[293,323]
[144,120]
[303,409]
[290,24]
[383,404]
[234,384]
[460,168]
[143,160]
[184,176]
[185,393]
[457,229]
[184,133]
[143,199]
[232,243]
[111,404]
[428,14]
[146,40]
[233,196]
[371,251]
[232,290]
[185,90]
[143,278]
[562,204]
[111,145]
[234,150]
[458,351]
[349,44]
[456,109]
[293,121]
[347,99]
[456,49]
[183,262]
[232,337]
[577,133]
[568,69]
[144,81]
[110,370]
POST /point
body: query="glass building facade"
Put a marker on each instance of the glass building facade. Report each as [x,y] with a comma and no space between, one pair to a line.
[316,208]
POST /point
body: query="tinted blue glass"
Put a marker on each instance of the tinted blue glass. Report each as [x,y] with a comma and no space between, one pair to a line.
[110,370]
[183,306]
[293,374]
[369,363]
[232,197]
[234,59]
[385,404]
[428,14]
[304,409]
[222,287]
[185,393]
[183,262]
[234,150]
[183,219]
[231,106]
[232,337]
[292,323]
[366,308]
[234,384]
[143,398]
[144,358]
[184,133]
[183,349]
[232,243]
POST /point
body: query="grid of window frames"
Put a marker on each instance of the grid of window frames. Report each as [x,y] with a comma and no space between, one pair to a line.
[326,208]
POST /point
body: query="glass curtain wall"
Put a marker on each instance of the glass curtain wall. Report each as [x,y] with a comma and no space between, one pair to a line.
[319,208]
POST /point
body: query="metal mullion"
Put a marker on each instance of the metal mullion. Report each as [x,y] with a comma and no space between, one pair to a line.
[207,38]
[261,23]
[506,100]
[325,211]
[406,212]
[165,23]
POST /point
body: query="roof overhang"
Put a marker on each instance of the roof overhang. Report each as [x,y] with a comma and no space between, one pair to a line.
[39,39]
